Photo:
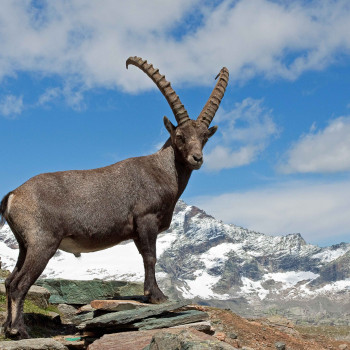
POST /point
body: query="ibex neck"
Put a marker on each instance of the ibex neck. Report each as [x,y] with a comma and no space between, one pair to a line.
[177,169]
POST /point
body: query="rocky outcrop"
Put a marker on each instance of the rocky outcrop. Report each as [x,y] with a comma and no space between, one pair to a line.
[32,344]
[83,292]
[117,319]
[116,305]
[221,330]
[186,340]
[171,320]
[169,339]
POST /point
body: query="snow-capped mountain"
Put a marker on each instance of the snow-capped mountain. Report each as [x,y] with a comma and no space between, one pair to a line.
[203,259]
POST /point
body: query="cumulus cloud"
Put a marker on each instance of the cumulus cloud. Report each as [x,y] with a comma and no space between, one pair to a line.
[322,151]
[319,211]
[89,41]
[245,132]
[11,106]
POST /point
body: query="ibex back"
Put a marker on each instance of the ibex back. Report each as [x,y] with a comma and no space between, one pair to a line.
[88,210]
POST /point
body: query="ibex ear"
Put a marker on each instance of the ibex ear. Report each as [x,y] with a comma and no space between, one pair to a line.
[212,130]
[169,125]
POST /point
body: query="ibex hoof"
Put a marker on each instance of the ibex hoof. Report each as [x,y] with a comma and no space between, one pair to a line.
[16,333]
[157,298]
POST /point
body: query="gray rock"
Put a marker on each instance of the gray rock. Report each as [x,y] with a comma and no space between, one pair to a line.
[67,312]
[141,339]
[186,340]
[123,340]
[70,315]
[232,335]
[280,345]
[32,344]
[83,317]
[83,292]
[204,326]
[37,295]
[86,308]
[113,319]
[171,319]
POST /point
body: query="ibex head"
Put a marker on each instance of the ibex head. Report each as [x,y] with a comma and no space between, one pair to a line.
[189,136]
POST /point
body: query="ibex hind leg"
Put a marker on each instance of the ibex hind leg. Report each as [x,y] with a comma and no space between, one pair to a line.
[17,268]
[36,259]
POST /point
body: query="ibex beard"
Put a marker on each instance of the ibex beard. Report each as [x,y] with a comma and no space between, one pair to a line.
[83,211]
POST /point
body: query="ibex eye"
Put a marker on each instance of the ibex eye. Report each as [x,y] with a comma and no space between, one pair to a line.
[180,138]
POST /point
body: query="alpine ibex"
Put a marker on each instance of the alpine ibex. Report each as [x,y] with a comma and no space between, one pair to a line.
[83,211]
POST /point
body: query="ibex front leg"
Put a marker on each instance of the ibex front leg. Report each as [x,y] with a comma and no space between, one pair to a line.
[147,231]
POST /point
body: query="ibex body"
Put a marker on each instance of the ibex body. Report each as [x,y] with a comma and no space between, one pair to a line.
[89,210]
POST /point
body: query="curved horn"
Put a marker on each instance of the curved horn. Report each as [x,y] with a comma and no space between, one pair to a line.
[164,86]
[210,108]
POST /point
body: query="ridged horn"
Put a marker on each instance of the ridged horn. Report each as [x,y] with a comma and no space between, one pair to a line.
[213,103]
[164,86]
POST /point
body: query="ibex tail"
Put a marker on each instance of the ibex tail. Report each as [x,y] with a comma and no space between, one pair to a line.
[3,206]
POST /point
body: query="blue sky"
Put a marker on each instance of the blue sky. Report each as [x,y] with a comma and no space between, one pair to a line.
[280,161]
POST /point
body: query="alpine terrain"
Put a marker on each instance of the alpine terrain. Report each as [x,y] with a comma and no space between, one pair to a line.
[212,263]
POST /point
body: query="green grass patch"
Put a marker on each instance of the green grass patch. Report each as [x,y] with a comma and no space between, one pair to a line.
[30,307]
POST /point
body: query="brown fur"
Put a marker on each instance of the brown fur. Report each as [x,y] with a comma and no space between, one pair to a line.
[88,210]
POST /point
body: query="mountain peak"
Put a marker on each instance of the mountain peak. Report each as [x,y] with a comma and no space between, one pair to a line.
[204,259]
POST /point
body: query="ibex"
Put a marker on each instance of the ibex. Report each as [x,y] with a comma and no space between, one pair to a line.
[83,211]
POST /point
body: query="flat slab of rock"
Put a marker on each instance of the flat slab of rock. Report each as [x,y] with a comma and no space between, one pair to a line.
[142,339]
[116,305]
[32,344]
[83,292]
[124,341]
[203,326]
[186,340]
[85,308]
[38,295]
[172,319]
[114,319]
[70,315]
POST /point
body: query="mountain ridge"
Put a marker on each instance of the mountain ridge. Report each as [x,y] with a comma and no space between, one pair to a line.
[205,260]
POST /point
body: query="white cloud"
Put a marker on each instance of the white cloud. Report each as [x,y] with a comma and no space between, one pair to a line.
[89,41]
[11,106]
[323,151]
[49,95]
[72,95]
[225,158]
[245,132]
[319,211]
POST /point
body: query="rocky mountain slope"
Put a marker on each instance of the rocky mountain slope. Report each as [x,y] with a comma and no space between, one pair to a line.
[203,259]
